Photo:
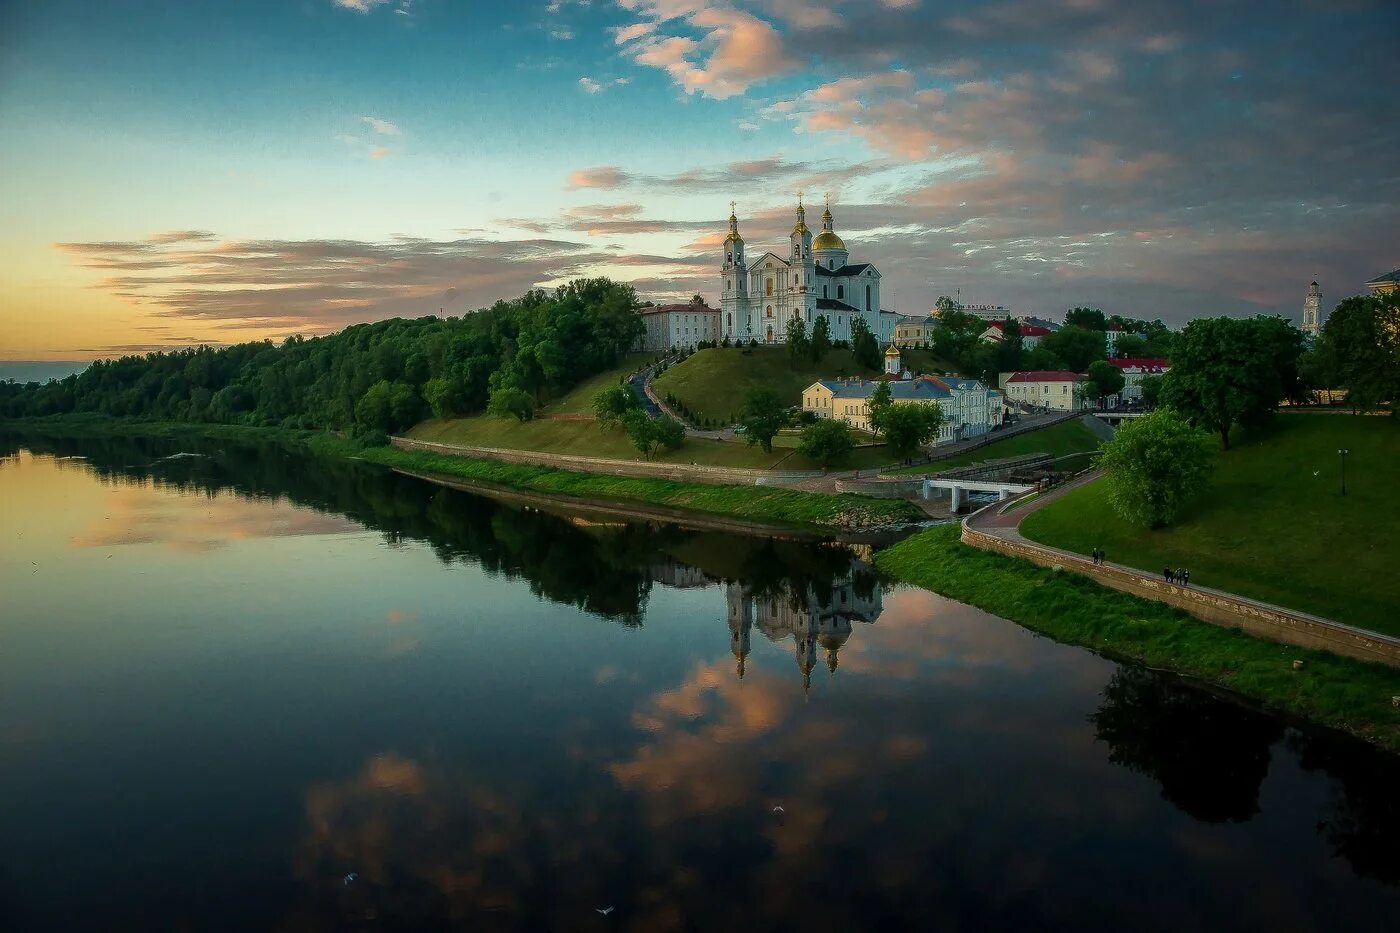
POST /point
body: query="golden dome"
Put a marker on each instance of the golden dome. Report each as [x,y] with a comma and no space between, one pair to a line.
[891,351]
[832,640]
[828,240]
[733,236]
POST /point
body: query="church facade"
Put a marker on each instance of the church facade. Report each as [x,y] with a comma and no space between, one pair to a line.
[813,276]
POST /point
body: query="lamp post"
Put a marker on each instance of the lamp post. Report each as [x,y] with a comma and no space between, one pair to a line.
[1342,452]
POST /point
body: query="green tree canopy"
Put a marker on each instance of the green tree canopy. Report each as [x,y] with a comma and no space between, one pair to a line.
[906,428]
[1075,347]
[821,338]
[879,400]
[763,416]
[1088,318]
[864,346]
[798,346]
[1154,465]
[1107,379]
[1151,389]
[1360,350]
[510,402]
[827,441]
[1229,371]
[612,403]
[650,434]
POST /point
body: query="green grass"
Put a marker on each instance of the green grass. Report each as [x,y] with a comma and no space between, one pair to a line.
[713,383]
[579,399]
[1067,437]
[1339,692]
[1272,525]
[751,503]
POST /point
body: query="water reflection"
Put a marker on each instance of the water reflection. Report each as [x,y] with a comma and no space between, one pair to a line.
[527,763]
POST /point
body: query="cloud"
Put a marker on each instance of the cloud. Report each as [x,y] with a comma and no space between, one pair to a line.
[180,236]
[382,127]
[599,176]
[734,51]
[378,152]
[359,6]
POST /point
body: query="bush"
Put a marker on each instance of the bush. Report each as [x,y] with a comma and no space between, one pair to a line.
[1153,465]
[827,442]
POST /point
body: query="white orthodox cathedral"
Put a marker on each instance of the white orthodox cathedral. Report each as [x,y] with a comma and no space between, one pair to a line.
[758,298]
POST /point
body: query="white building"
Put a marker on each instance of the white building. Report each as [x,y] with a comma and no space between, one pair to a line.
[814,277]
[888,321]
[1312,306]
[1110,338]
[1133,372]
[680,326]
[969,408]
[1381,284]
[914,331]
[988,312]
[1031,334]
[1057,390]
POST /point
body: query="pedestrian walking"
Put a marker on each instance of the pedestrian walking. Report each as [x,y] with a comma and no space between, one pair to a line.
[1167,574]
[1185,577]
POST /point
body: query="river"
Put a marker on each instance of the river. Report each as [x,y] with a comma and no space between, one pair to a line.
[243,690]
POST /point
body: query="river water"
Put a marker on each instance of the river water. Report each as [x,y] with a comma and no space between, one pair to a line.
[247,691]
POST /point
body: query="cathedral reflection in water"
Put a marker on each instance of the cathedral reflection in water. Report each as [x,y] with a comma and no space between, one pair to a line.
[818,615]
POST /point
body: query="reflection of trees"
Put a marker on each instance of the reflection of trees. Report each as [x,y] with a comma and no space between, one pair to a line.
[1362,824]
[605,570]
[1209,755]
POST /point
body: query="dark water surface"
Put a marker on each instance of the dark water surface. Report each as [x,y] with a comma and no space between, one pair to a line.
[229,681]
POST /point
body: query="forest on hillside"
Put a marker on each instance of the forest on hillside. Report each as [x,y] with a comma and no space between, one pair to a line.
[368,378]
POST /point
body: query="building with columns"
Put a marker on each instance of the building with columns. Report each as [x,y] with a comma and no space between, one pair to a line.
[1385,284]
[812,276]
[1312,307]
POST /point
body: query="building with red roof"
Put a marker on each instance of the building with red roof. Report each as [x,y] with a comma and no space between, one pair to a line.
[1053,389]
[1135,369]
[1031,334]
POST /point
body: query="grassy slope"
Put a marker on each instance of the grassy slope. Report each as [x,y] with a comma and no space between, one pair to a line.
[1336,691]
[753,503]
[713,383]
[587,439]
[1268,527]
[1069,437]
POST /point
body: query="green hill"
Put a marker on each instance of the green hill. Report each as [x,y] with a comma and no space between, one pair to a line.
[1273,524]
[713,383]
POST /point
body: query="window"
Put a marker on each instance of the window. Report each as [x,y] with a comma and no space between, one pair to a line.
[770,285]
[770,311]
[840,292]
[731,320]
[728,257]
[831,263]
[867,297]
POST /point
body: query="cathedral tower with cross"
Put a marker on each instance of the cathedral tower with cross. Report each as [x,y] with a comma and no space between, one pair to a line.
[814,279]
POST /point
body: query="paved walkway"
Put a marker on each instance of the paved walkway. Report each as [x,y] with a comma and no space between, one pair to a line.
[997,521]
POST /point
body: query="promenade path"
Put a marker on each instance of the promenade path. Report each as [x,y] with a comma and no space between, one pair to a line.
[997,527]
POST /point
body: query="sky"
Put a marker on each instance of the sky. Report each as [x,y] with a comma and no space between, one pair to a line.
[199,171]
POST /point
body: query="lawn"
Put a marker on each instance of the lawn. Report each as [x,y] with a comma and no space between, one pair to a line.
[1067,437]
[1273,524]
[713,383]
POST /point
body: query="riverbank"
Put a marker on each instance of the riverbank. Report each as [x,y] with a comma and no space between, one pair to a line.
[1350,695]
[766,505]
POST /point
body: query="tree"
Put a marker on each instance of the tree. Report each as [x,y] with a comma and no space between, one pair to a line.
[763,417]
[797,344]
[611,404]
[1153,465]
[1106,378]
[1131,346]
[388,407]
[821,338]
[1151,390]
[864,347]
[827,441]
[907,428]
[880,400]
[510,402]
[1088,318]
[1230,371]
[669,431]
[696,300]
[1360,350]
[1074,347]
[944,303]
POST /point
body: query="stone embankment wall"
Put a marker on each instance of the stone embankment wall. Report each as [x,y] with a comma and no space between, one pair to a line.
[881,489]
[1269,622]
[715,476]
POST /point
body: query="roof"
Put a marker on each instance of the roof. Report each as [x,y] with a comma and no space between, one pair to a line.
[685,306]
[846,270]
[1027,330]
[1381,279]
[831,304]
[1046,375]
[923,387]
[1154,365]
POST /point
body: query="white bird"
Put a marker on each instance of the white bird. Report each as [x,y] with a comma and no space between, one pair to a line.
[1315,472]
[604,910]
[779,810]
[351,877]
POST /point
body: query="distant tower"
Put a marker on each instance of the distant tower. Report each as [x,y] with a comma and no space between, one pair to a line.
[734,294]
[893,362]
[1311,305]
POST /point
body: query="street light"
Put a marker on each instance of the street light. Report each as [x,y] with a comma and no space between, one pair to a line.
[1342,451]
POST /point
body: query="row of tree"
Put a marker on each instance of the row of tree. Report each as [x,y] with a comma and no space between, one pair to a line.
[377,377]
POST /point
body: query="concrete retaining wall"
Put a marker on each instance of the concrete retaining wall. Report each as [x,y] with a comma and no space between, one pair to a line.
[1292,628]
[881,489]
[715,476]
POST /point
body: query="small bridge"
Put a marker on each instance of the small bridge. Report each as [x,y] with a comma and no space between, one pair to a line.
[1117,417]
[956,488]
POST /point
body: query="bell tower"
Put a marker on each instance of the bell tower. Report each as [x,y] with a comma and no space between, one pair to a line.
[802,280]
[733,301]
[1312,305]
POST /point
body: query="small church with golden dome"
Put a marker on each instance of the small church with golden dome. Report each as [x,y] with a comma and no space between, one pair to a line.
[814,278]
